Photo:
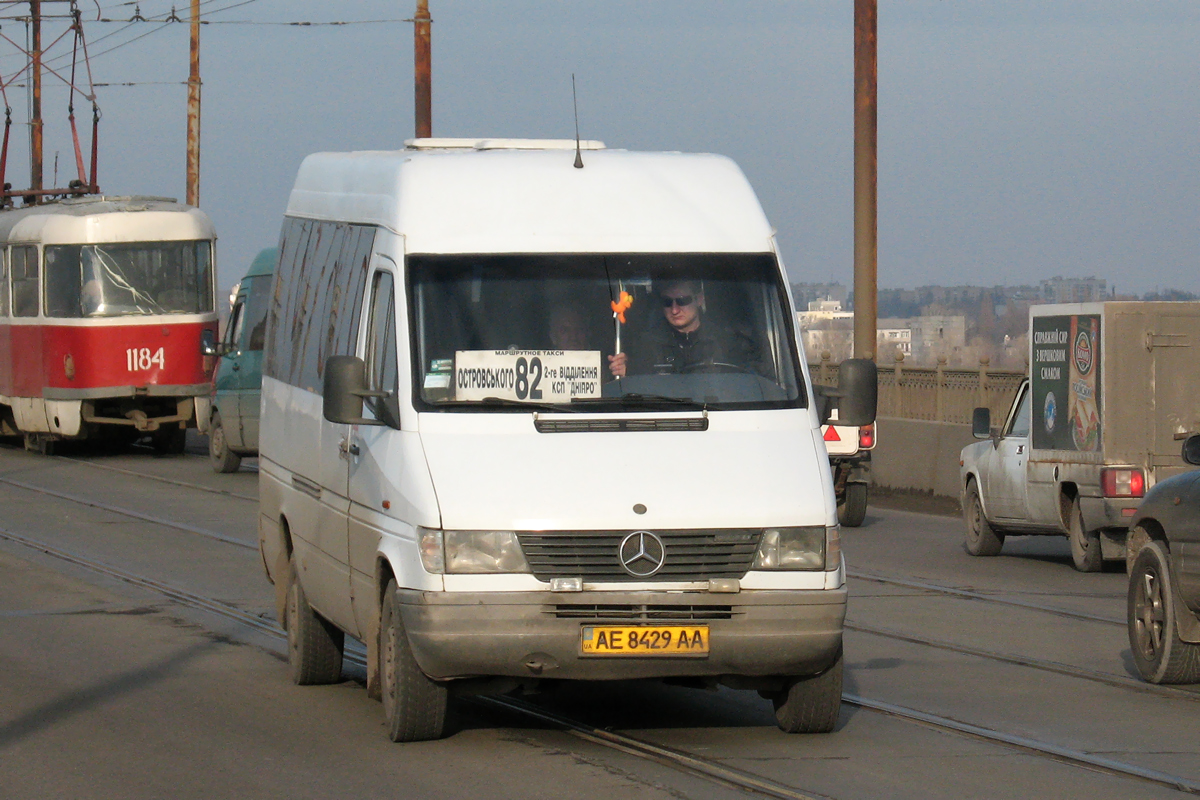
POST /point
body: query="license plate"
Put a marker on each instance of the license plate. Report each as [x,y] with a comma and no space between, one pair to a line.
[635,640]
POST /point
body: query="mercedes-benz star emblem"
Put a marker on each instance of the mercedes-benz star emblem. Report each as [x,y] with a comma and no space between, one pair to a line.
[641,554]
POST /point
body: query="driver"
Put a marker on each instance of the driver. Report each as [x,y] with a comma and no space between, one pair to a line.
[685,343]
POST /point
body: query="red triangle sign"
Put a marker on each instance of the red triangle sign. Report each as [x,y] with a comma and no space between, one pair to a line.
[831,434]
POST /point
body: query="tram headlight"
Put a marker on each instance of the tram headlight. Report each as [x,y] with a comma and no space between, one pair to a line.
[803,548]
[471,552]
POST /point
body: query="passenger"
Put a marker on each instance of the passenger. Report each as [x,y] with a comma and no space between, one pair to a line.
[568,330]
[686,343]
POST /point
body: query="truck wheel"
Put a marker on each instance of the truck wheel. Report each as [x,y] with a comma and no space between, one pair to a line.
[1158,652]
[414,706]
[982,538]
[1085,545]
[223,459]
[811,704]
[853,508]
[314,644]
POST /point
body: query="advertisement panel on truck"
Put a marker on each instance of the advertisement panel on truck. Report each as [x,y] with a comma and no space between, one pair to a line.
[1065,373]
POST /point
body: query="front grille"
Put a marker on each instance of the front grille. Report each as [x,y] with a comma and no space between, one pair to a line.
[642,613]
[618,424]
[695,555]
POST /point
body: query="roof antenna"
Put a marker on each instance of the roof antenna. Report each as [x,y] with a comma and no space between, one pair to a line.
[575,103]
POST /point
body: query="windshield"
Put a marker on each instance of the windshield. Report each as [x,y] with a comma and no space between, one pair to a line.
[698,330]
[112,280]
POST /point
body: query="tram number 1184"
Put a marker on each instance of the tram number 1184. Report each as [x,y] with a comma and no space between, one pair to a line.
[140,359]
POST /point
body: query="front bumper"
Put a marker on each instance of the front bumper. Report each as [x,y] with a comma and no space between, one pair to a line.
[529,635]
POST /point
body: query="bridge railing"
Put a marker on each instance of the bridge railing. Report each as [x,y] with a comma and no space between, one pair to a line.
[939,394]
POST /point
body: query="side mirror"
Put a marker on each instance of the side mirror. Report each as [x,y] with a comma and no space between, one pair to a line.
[208,343]
[858,391]
[344,388]
[855,396]
[981,423]
[1191,449]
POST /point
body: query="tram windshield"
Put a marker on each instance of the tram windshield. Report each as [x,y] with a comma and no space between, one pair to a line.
[603,332]
[129,278]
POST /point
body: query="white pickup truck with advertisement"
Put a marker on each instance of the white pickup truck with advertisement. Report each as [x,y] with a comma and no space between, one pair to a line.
[1113,388]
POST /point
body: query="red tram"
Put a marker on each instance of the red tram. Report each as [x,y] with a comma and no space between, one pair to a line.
[105,303]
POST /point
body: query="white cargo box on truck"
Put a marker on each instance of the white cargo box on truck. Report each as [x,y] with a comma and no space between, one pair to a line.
[1113,389]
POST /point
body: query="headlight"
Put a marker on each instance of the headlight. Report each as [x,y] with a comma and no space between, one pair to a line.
[798,548]
[471,552]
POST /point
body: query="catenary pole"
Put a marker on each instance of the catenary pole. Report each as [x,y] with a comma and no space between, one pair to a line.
[866,73]
[193,112]
[423,71]
[35,116]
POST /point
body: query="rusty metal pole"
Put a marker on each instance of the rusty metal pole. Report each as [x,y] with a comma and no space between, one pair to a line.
[423,71]
[193,113]
[866,72]
[35,115]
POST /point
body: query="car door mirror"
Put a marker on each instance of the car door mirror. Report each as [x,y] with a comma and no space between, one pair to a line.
[344,388]
[1191,449]
[981,423]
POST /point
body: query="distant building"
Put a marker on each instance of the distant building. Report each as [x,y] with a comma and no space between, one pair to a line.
[1073,290]
[805,293]
[928,337]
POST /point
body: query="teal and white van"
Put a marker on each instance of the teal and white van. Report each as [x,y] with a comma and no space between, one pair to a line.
[237,380]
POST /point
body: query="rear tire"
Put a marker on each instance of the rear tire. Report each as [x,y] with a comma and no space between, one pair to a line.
[811,704]
[314,644]
[853,508]
[414,706]
[1085,545]
[223,459]
[1158,652]
[982,538]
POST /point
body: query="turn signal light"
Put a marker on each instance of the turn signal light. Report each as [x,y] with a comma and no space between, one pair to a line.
[1122,482]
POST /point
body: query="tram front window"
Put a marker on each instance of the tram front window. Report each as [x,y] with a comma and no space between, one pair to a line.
[138,278]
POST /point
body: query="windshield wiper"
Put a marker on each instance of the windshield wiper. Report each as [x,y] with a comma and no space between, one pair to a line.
[508,402]
[636,398]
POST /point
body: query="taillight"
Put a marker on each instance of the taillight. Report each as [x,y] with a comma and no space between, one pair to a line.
[866,437]
[1122,482]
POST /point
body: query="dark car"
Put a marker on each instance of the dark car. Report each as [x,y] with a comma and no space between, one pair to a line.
[1164,579]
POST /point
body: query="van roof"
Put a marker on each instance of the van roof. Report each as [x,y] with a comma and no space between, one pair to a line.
[263,263]
[475,196]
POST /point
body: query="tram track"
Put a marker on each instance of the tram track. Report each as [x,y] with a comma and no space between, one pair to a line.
[709,769]
[158,478]
[971,594]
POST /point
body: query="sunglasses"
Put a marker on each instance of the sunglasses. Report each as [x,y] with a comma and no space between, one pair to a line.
[682,302]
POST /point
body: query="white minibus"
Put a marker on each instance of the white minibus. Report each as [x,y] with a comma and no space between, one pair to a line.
[537,410]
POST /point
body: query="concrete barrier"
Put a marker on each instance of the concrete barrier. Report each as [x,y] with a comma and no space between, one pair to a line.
[918,456]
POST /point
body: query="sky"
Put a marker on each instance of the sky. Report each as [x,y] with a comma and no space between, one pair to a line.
[1018,140]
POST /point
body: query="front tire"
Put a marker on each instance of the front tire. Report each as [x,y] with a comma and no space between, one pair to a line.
[314,644]
[1158,652]
[222,458]
[1085,544]
[414,706]
[811,704]
[982,538]
[853,508]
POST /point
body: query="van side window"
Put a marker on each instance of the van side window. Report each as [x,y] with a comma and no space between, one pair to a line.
[381,356]
[318,289]
[25,281]
[256,313]
[3,283]
[233,328]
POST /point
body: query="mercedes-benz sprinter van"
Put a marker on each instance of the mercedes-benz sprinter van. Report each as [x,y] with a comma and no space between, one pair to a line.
[537,410]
